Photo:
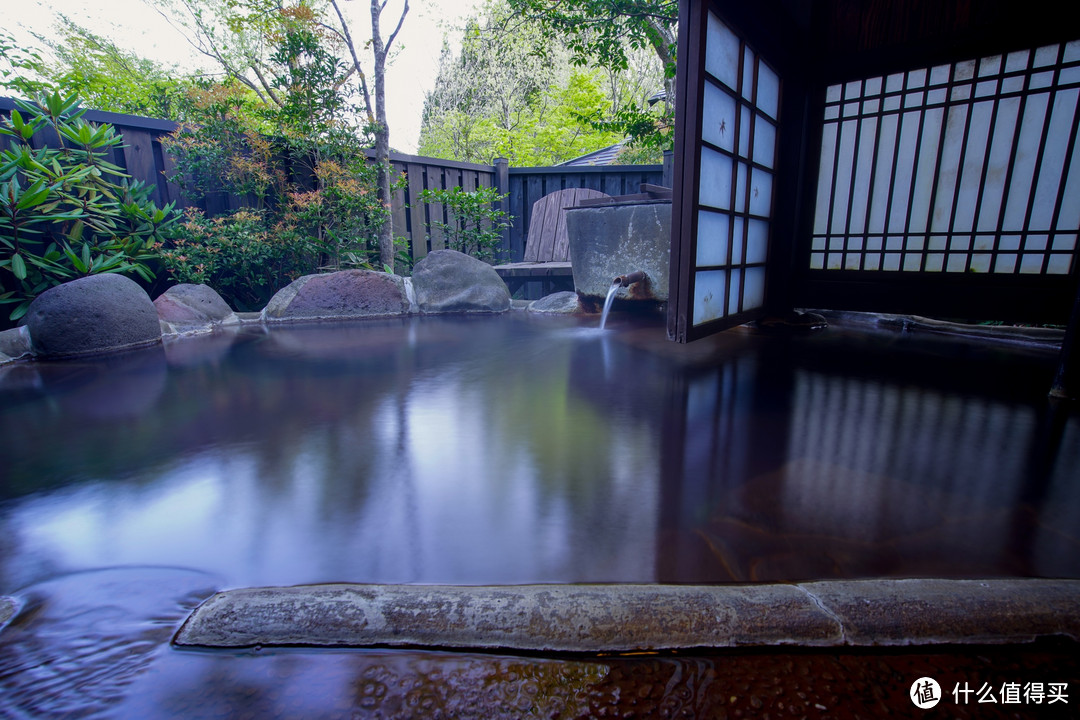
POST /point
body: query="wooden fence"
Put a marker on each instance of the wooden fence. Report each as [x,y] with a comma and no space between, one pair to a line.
[144,158]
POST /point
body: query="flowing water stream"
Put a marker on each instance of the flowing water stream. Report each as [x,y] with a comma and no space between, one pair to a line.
[608,301]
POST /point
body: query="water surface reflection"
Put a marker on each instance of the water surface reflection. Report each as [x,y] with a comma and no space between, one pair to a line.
[494,450]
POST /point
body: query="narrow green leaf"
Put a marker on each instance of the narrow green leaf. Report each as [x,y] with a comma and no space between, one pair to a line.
[86,255]
[75,261]
[19,311]
[18,266]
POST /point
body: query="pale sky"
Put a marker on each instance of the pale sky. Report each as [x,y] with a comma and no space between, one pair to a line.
[132,24]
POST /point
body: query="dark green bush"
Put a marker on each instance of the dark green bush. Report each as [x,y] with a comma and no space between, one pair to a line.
[65,211]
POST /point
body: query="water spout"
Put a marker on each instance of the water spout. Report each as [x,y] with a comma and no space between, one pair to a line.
[630,278]
[620,282]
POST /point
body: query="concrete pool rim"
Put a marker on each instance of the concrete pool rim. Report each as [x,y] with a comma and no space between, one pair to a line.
[639,618]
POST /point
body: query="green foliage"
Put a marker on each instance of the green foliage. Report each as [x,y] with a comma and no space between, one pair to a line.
[300,162]
[608,32]
[514,91]
[243,256]
[20,69]
[66,212]
[474,227]
[107,77]
[341,216]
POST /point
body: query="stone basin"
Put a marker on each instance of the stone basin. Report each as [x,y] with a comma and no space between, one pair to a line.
[618,238]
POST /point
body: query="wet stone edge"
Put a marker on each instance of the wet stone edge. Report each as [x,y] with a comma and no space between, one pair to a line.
[633,618]
[8,606]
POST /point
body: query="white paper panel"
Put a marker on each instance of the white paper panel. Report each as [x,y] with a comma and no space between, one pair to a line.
[734,291]
[864,165]
[926,169]
[948,173]
[1027,153]
[757,241]
[883,173]
[768,92]
[844,170]
[738,227]
[753,288]
[905,166]
[971,176]
[824,184]
[710,292]
[998,163]
[716,171]
[1057,139]
[764,142]
[718,118]
[712,238]
[722,53]
[761,185]
[744,131]
[748,74]
[740,187]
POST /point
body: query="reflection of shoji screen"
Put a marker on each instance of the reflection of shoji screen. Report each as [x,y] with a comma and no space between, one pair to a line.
[972,167]
[738,155]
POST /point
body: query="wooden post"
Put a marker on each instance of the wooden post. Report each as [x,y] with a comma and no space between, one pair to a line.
[502,187]
[1068,373]
[669,169]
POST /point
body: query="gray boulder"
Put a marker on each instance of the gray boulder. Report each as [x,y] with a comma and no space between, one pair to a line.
[561,303]
[449,281]
[339,295]
[14,344]
[187,307]
[92,314]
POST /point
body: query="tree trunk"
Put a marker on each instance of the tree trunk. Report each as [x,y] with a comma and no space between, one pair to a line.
[382,129]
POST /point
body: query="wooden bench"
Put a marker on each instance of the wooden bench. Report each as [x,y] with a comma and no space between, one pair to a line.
[547,246]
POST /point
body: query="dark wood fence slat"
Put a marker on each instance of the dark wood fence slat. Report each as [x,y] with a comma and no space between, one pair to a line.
[418,231]
[399,208]
[436,214]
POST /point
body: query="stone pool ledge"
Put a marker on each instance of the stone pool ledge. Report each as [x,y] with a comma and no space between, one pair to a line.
[634,618]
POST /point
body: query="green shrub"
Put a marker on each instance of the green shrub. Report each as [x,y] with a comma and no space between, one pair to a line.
[65,211]
[243,256]
[474,227]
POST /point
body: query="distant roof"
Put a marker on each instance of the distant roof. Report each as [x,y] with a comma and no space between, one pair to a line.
[603,156]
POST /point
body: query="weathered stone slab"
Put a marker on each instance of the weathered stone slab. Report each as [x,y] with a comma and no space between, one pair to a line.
[568,618]
[926,612]
[449,281]
[188,307]
[339,296]
[607,241]
[628,618]
[92,314]
[564,303]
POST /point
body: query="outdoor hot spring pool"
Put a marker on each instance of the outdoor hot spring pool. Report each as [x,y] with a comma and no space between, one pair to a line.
[504,450]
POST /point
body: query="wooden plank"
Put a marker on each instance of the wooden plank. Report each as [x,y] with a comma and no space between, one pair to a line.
[533,191]
[573,198]
[398,211]
[552,206]
[613,184]
[516,208]
[436,214]
[415,175]
[139,159]
[175,190]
